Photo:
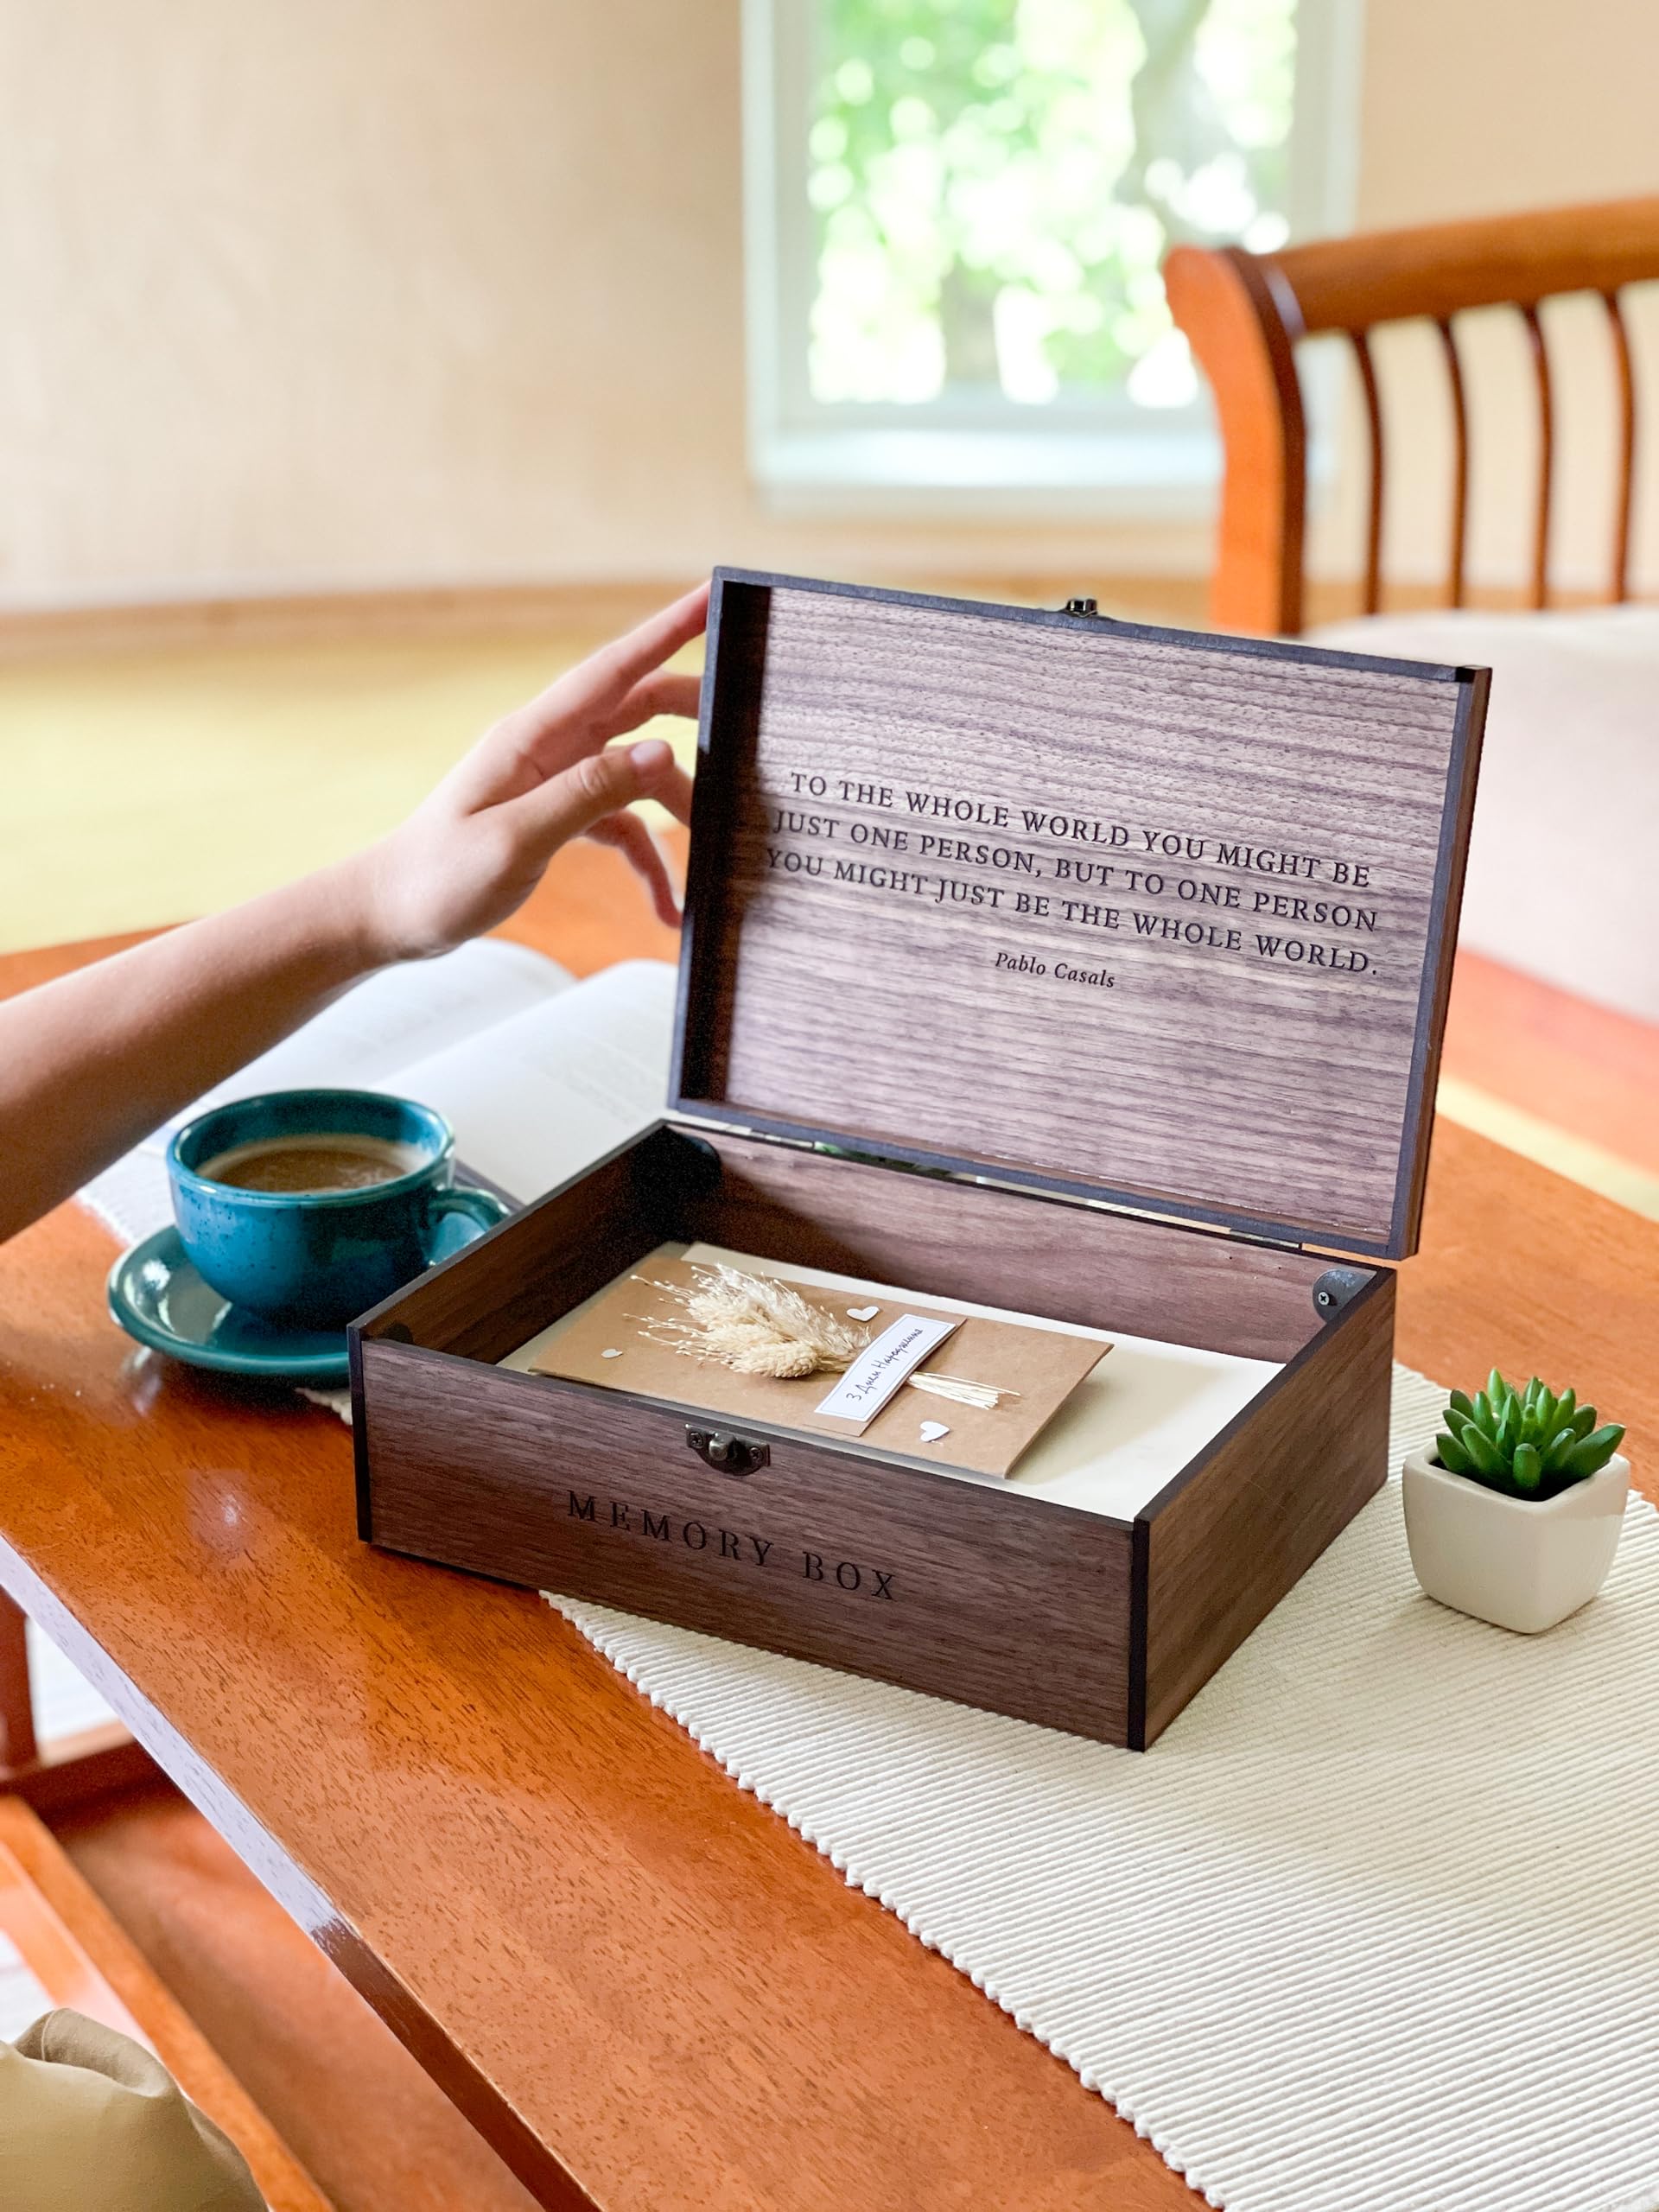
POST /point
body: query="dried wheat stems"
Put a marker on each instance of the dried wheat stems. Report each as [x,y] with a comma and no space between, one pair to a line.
[756,1326]
[985,1395]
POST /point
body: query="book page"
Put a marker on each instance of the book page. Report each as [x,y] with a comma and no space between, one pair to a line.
[362,1042]
[370,1034]
[553,1088]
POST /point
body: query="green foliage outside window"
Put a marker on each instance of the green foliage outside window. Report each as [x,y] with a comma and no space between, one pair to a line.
[995,182]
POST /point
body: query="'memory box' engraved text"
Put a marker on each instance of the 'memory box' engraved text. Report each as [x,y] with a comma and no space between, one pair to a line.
[744,1549]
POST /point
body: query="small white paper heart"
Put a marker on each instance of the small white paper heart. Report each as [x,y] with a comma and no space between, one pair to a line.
[610,1353]
[863,1313]
[932,1431]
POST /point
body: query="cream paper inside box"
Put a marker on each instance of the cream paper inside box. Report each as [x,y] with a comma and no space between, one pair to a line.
[1142,1414]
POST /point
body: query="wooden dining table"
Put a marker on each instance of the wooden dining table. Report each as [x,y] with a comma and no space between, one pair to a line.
[641,1986]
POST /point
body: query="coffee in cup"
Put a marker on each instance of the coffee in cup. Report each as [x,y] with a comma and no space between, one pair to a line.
[309,1206]
[328,1162]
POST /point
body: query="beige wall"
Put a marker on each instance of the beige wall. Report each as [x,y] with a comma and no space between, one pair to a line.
[303,293]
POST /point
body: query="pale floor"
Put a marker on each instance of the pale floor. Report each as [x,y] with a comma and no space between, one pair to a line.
[1580,1159]
[143,787]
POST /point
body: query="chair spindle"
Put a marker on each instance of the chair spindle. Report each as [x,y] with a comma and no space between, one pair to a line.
[1619,584]
[1361,343]
[1245,314]
[1540,594]
[1460,465]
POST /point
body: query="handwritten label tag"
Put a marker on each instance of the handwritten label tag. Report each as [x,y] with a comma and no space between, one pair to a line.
[876,1374]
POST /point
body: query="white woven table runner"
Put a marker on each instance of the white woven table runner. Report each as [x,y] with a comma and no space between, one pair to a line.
[1373,1928]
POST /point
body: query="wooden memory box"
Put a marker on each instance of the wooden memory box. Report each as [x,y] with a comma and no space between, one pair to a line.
[1056,963]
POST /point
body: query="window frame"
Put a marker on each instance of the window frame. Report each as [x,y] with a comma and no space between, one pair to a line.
[954,457]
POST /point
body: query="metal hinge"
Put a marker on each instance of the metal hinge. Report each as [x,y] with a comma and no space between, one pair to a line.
[688,1126]
[1335,1287]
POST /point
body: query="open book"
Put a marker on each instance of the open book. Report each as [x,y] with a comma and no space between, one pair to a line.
[537,1074]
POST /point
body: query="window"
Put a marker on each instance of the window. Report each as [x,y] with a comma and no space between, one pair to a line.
[958,212]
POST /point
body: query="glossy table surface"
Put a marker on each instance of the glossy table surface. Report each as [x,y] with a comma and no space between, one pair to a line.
[638,1983]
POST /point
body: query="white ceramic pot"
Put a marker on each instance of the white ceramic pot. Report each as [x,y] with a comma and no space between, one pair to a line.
[1504,1559]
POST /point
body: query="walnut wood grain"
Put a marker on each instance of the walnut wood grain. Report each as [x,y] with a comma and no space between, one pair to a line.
[1283,1096]
[540,1262]
[1103,1271]
[485,1826]
[1244,313]
[990,1598]
[1236,1532]
[994,1598]
[82,1958]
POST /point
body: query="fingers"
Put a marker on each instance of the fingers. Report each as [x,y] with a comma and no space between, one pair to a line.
[674,792]
[597,689]
[650,644]
[590,798]
[570,803]
[589,702]
[631,837]
[601,682]
[664,692]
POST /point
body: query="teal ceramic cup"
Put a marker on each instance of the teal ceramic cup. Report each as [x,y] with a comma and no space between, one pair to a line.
[320,1258]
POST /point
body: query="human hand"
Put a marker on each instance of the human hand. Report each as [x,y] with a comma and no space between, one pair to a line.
[471,853]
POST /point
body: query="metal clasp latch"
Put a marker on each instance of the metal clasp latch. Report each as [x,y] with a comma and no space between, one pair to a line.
[726,1453]
[1080,607]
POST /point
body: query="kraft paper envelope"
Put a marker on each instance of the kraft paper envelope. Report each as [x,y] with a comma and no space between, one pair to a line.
[1044,1365]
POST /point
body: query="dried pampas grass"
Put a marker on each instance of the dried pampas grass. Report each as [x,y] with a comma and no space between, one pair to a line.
[757,1326]
[754,1325]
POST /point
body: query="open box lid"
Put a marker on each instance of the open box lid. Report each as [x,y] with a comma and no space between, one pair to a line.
[1140,916]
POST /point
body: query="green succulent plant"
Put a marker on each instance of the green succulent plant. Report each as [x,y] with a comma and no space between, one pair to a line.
[1528,1443]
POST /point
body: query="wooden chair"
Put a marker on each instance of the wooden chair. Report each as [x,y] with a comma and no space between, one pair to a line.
[55,1931]
[1244,313]
[72,1770]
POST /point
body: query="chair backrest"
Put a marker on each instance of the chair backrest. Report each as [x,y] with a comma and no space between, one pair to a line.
[1243,315]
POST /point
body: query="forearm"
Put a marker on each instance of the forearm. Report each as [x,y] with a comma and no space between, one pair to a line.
[90,1063]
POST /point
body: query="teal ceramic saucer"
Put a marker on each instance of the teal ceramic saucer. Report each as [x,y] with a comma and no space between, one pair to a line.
[157,1296]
